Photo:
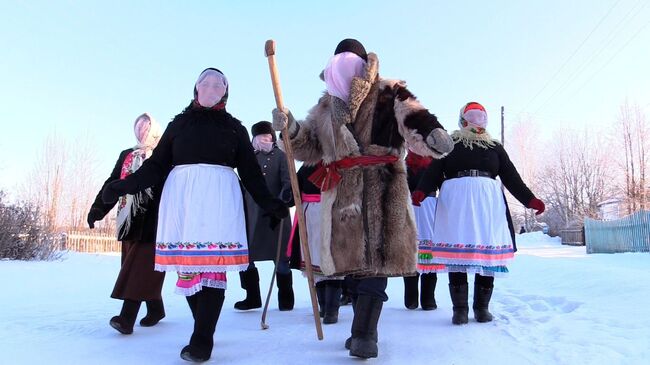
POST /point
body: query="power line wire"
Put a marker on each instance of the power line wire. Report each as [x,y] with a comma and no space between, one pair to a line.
[610,39]
[614,56]
[575,51]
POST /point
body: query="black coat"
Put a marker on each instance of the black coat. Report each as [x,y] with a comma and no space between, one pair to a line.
[262,241]
[143,226]
[494,160]
[199,135]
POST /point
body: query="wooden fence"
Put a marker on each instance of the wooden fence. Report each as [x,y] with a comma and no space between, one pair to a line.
[628,234]
[91,242]
[573,237]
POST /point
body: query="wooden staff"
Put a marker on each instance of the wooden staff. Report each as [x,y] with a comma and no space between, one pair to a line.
[269,50]
[264,325]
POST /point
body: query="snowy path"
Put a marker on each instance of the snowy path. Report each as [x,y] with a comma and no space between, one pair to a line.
[559,306]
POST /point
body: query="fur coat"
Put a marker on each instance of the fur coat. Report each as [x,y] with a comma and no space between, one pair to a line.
[367,219]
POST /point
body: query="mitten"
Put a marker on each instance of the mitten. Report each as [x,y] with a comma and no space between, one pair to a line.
[94,215]
[417,197]
[536,204]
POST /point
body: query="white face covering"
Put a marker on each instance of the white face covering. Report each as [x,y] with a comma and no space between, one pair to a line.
[211,87]
[340,71]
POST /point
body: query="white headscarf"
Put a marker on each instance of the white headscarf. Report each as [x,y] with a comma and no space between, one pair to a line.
[211,87]
[340,71]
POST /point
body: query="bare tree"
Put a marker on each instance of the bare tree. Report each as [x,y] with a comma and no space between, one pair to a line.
[63,182]
[634,137]
[524,151]
[575,177]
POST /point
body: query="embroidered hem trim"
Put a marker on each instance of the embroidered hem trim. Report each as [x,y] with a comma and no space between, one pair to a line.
[197,269]
[209,283]
[466,262]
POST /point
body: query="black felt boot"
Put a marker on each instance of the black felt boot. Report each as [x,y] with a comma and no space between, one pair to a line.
[320,295]
[332,301]
[482,295]
[459,299]
[353,301]
[209,302]
[125,321]
[364,327]
[285,291]
[250,281]
[155,312]
[411,291]
[427,292]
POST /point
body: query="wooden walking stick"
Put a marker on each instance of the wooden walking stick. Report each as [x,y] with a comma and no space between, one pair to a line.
[275,270]
[269,50]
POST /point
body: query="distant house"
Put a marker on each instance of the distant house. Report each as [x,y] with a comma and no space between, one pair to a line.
[610,209]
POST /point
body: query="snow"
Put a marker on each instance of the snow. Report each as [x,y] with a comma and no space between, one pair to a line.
[558,306]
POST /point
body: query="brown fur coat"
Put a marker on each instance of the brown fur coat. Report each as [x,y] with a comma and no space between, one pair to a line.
[367,219]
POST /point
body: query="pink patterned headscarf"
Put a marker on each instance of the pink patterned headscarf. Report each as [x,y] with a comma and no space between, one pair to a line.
[340,71]
[147,132]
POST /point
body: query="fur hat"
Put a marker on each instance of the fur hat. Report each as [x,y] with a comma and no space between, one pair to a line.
[263,127]
[352,45]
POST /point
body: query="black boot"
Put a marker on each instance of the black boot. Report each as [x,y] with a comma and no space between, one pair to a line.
[482,295]
[250,280]
[459,299]
[209,302]
[427,292]
[348,341]
[285,291]
[411,292]
[364,327]
[155,312]
[125,321]
[332,297]
[346,298]
[320,295]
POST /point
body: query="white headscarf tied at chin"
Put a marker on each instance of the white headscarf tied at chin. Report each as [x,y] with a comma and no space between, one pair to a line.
[211,88]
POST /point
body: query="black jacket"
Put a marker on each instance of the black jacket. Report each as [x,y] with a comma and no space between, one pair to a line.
[207,136]
[143,226]
[494,160]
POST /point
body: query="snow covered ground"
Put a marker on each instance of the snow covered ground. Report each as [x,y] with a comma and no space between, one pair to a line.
[558,306]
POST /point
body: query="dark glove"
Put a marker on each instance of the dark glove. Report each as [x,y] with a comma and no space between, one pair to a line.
[94,215]
[536,204]
[287,197]
[117,188]
[276,210]
[417,197]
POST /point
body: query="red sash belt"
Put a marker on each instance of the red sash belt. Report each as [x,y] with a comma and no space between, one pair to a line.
[327,176]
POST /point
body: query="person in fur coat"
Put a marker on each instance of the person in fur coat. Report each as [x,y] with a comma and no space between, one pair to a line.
[137,217]
[355,134]
[201,230]
[472,229]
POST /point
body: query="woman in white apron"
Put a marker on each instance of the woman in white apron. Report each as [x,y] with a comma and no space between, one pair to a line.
[471,234]
[201,228]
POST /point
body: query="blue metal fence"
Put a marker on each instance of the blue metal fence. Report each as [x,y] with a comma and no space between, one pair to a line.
[628,234]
